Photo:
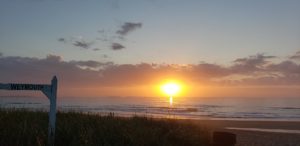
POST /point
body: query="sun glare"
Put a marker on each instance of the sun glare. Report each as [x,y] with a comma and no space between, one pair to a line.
[171,89]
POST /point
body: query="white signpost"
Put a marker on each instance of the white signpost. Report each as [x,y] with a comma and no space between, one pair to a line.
[50,91]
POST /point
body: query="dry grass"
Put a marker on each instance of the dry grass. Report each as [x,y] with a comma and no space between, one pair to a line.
[23,127]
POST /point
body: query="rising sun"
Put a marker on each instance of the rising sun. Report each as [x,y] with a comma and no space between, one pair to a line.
[171,89]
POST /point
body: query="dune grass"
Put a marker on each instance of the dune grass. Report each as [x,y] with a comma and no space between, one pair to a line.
[23,127]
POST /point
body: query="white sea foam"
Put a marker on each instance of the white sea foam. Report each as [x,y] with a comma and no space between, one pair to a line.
[266,130]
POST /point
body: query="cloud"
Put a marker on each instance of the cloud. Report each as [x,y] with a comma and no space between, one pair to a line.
[71,73]
[255,60]
[106,36]
[77,42]
[125,29]
[62,40]
[54,58]
[91,63]
[296,56]
[206,70]
[1,54]
[117,46]
[251,63]
[128,27]
[91,73]
[286,67]
[82,44]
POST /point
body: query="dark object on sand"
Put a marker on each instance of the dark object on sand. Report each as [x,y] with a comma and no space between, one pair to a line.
[223,139]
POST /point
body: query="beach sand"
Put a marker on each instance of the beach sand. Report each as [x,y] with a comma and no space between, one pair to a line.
[257,138]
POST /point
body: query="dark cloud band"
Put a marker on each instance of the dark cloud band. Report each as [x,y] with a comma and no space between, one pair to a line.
[253,70]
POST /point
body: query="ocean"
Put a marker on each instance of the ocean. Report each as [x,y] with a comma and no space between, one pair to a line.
[231,108]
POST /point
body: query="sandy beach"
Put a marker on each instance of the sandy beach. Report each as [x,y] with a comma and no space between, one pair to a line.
[258,138]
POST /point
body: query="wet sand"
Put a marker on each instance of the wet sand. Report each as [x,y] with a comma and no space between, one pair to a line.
[258,138]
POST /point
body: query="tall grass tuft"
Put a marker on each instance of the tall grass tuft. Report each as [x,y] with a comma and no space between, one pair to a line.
[23,127]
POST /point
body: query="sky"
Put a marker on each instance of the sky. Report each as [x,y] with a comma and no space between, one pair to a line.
[129,47]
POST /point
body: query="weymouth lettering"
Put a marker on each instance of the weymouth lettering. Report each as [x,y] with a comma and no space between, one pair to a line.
[26,87]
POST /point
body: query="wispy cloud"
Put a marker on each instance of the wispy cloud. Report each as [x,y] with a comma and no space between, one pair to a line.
[82,44]
[254,60]
[128,27]
[107,36]
[62,40]
[125,29]
[117,46]
[77,41]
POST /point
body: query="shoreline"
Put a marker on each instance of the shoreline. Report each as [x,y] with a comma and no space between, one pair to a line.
[221,124]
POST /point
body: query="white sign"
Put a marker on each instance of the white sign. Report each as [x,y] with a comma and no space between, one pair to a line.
[50,91]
